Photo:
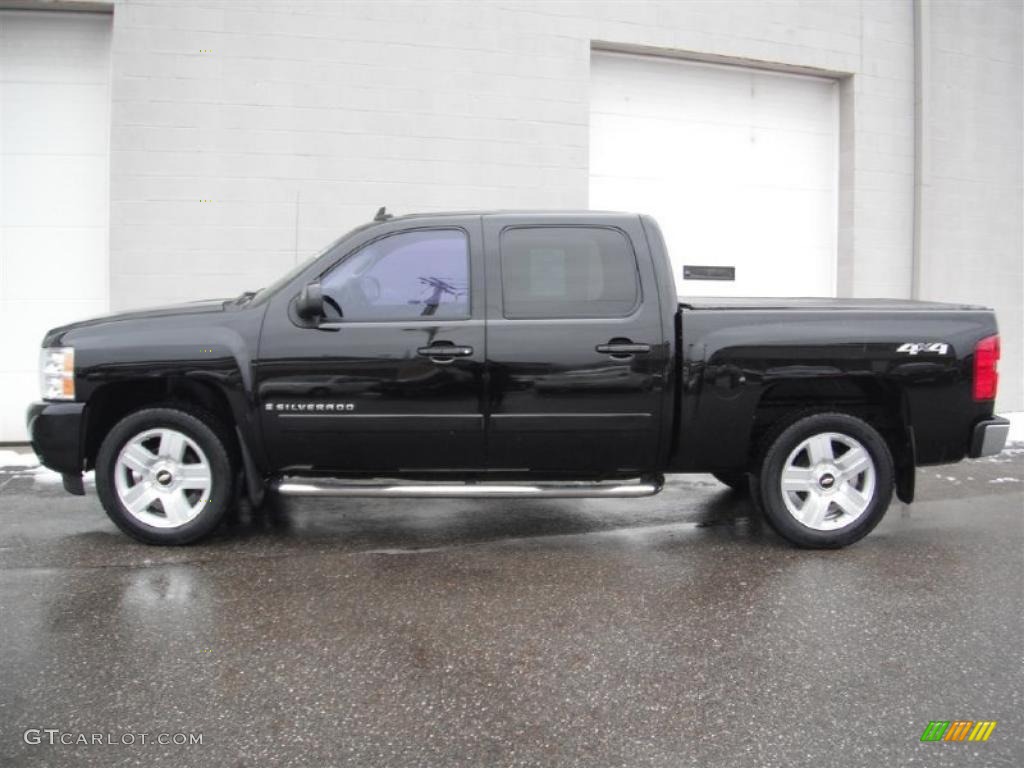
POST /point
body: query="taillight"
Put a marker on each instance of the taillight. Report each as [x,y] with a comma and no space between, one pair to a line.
[986,364]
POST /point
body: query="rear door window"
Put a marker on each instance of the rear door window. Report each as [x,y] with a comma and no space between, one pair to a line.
[567,272]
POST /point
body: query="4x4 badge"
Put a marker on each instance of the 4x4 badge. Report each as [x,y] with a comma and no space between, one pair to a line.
[916,348]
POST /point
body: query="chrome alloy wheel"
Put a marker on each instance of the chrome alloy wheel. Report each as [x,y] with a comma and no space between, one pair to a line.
[828,481]
[163,478]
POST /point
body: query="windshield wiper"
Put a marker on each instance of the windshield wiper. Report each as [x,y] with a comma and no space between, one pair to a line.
[243,298]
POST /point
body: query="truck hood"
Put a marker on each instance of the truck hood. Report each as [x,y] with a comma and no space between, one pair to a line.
[54,335]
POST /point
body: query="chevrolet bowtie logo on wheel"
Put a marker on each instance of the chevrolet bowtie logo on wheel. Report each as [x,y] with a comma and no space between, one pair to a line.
[958,730]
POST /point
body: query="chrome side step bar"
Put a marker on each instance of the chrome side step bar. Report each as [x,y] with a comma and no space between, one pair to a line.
[397,489]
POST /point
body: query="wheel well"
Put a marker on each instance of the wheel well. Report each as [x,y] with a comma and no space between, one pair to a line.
[112,402]
[868,399]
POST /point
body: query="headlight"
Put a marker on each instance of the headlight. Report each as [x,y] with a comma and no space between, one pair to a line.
[57,373]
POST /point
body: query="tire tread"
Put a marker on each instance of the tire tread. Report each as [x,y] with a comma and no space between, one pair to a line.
[777,440]
[209,518]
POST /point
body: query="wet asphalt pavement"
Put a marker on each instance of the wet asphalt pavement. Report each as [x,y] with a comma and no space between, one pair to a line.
[671,631]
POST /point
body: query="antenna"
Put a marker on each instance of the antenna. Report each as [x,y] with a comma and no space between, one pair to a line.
[296,254]
[382,214]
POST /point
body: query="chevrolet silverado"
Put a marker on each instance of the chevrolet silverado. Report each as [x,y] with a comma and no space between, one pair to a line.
[501,354]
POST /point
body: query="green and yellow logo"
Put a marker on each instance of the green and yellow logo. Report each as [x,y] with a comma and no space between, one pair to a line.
[958,730]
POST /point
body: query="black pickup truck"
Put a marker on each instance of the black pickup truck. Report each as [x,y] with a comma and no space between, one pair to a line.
[506,354]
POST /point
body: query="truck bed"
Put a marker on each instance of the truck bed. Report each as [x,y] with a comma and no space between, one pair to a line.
[802,303]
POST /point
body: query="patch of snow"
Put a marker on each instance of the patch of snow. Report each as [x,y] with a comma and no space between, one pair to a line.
[15,464]
[1005,480]
[44,476]
[9,458]
[1016,435]
[1005,457]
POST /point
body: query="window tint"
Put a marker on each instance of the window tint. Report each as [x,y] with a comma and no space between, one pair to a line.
[404,276]
[567,272]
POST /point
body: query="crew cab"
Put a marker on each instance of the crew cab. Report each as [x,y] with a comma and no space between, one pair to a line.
[539,354]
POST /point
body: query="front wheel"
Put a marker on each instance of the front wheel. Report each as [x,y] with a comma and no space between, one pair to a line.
[164,475]
[826,480]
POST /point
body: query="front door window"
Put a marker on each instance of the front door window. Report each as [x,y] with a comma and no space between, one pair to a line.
[405,276]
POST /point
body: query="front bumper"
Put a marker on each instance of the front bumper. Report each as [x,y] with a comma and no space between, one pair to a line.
[989,437]
[56,431]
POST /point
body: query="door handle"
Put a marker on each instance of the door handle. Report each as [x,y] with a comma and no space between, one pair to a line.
[623,349]
[444,354]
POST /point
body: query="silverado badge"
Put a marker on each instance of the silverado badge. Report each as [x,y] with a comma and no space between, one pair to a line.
[310,407]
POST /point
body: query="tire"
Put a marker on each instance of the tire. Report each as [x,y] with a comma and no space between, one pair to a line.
[165,475]
[738,481]
[839,478]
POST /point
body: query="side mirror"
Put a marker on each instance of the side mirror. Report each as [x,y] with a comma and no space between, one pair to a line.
[310,303]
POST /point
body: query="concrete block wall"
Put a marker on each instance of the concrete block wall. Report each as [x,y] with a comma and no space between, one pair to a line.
[296,120]
[973,169]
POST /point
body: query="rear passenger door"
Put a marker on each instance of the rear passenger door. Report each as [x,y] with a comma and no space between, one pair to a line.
[576,353]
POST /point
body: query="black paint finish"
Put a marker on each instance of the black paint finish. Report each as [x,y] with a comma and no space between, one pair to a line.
[671,387]
[572,395]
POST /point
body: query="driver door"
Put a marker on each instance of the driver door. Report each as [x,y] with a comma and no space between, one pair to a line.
[392,380]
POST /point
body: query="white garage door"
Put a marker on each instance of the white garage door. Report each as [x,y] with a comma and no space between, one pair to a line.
[54,171]
[740,167]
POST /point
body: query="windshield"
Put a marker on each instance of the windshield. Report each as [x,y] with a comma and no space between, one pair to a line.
[284,279]
[298,269]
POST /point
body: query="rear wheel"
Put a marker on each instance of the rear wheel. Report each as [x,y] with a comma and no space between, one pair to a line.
[165,476]
[826,480]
